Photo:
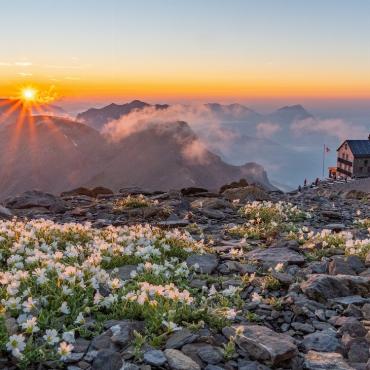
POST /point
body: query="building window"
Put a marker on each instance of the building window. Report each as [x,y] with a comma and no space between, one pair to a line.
[345,146]
[366,162]
[360,169]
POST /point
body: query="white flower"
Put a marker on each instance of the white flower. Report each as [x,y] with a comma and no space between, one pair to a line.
[171,326]
[16,344]
[64,308]
[256,297]
[30,325]
[230,291]
[80,319]
[64,350]
[231,313]
[29,305]
[212,291]
[51,336]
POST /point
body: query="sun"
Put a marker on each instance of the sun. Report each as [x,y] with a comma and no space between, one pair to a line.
[29,94]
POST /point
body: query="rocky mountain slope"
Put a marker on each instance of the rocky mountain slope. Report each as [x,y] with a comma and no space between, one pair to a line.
[280,283]
[53,154]
[280,141]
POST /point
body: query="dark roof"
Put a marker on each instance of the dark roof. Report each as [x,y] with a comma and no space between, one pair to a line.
[359,148]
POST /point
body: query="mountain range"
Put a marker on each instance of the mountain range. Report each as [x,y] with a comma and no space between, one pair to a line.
[234,132]
[55,154]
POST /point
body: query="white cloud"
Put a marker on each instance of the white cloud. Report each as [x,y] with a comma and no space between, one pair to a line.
[337,128]
[266,130]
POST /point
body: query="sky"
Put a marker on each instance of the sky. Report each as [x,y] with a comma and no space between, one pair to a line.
[177,50]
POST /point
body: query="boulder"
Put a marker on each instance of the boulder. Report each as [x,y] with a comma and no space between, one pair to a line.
[35,198]
[323,341]
[263,344]
[180,338]
[178,361]
[275,256]
[186,192]
[107,360]
[246,194]
[325,361]
[155,357]
[321,287]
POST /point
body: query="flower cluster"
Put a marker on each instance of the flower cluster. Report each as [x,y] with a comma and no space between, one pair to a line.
[55,278]
[133,201]
[264,219]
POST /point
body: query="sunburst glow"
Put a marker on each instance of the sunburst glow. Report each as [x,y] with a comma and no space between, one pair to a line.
[29,94]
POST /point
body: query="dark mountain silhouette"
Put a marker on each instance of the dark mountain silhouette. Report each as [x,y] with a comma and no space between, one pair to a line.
[170,155]
[48,153]
[289,114]
[97,118]
[55,154]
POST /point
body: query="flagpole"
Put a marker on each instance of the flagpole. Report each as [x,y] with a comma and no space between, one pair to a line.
[323,162]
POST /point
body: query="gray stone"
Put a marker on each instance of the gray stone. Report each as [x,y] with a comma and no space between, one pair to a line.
[358,351]
[74,357]
[180,338]
[275,256]
[206,262]
[303,327]
[352,299]
[107,360]
[323,341]
[354,328]
[283,277]
[178,361]
[81,345]
[155,357]
[322,287]
[366,311]
[210,354]
[263,344]
[35,198]
[213,213]
[325,361]
[338,265]
[102,341]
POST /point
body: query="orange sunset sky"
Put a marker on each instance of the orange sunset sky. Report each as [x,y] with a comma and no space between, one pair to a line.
[181,50]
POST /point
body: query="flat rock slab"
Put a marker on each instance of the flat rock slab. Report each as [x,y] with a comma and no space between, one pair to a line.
[35,198]
[325,361]
[321,287]
[323,341]
[263,344]
[276,255]
[178,361]
[180,338]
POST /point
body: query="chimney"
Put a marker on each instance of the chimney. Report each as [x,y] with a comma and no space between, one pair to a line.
[369,137]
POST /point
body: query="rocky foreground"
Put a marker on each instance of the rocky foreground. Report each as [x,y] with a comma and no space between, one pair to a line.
[240,279]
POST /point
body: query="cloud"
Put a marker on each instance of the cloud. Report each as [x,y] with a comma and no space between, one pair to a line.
[266,130]
[196,153]
[337,128]
[201,119]
[5,64]
[23,64]
[61,66]
[25,74]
